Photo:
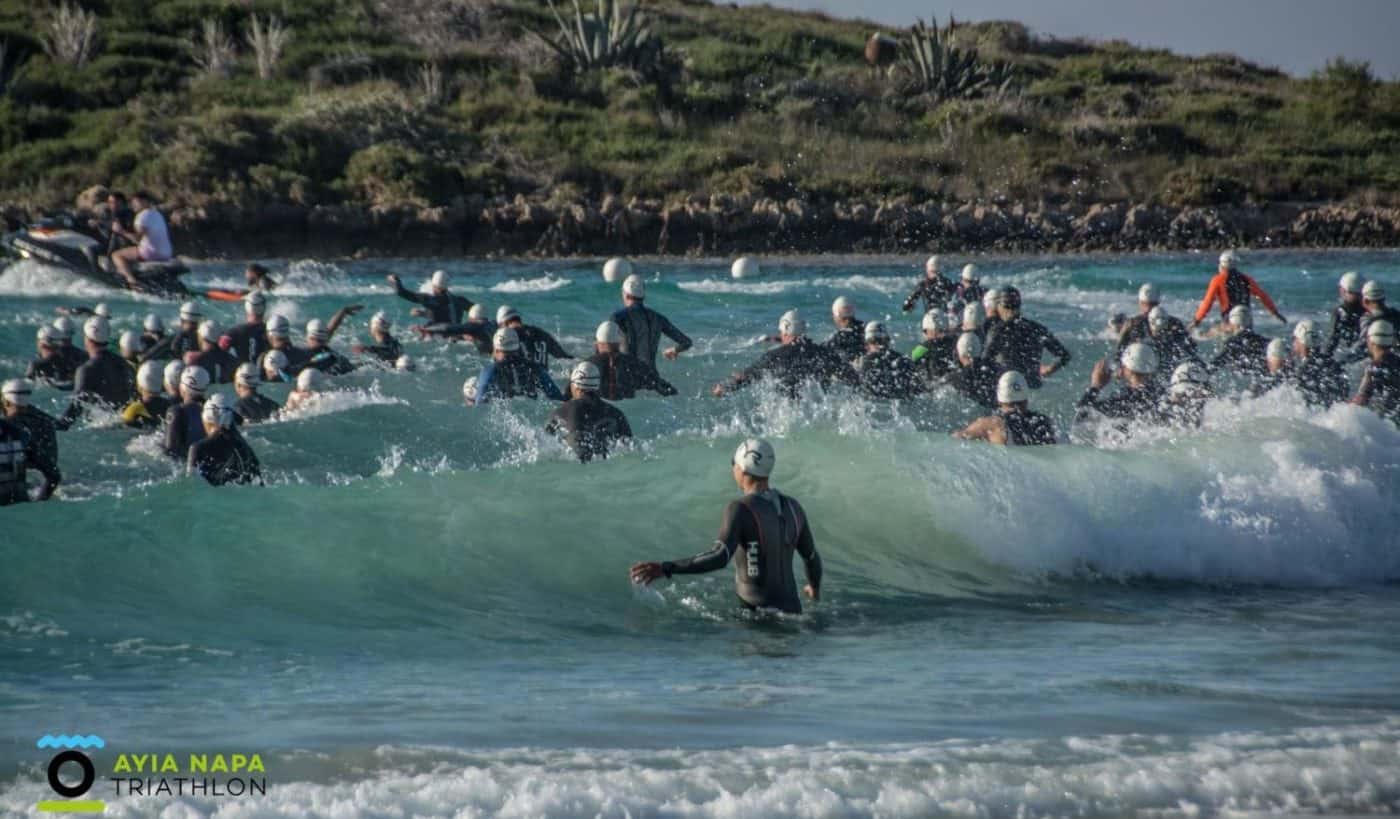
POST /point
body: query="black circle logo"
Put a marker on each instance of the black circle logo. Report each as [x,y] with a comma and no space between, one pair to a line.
[89,773]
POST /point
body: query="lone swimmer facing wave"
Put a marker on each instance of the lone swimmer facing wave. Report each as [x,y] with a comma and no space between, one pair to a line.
[760,532]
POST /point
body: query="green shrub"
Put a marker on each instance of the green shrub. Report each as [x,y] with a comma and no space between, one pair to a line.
[392,173]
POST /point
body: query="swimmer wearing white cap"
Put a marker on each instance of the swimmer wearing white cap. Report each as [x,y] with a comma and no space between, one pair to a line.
[1013,424]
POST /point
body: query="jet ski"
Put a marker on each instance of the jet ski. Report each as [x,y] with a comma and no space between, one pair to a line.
[58,242]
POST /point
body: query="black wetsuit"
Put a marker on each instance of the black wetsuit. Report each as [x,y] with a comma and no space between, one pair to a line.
[149,340]
[148,412]
[978,382]
[17,455]
[1134,330]
[887,374]
[297,358]
[1321,380]
[220,364]
[56,371]
[224,457]
[72,356]
[249,341]
[935,292]
[329,361]
[1346,327]
[43,445]
[106,380]
[1017,344]
[760,532]
[443,308]
[642,329]
[538,345]
[388,351]
[184,427]
[849,341]
[1174,346]
[1184,411]
[173,346]
[1026,428]
[938,359]
[1244,352]
[479,332]
[515,377]
[1387,313]
[970,293]
[623,375]
[255,408]
[588,425]
[1380,386]
[1127,404]
[792,365]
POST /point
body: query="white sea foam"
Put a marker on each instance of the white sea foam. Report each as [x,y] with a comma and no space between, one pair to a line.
[543,284]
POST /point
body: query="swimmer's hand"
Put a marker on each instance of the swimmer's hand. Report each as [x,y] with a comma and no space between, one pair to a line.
[644,573]
[1047,370]
[718,391]
[671,353]
[812,593]
[392,278]
[1101,375]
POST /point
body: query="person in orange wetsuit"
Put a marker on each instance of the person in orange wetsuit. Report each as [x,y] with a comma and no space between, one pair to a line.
[1231,288]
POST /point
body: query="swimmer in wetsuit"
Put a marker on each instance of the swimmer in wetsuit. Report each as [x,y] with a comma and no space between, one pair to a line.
[973,378]
[849,339]
[970,289]
[1231,289]
[177,344]
[1245,351]
[223,456]
[184,426]
[248,341]
[937,355]
[386,349]
[886,373]
[1185,402]
[106,380]
[511,375]
[148,411]
[934,289]
[36,447]
[760,533]
[1318,376]
[643,327]
[1347,315]
[1013,424]
[799,361]
[291,358]
[311,383]
[252,406]
[439,306]
[1380,382]
[535,344]
[1373,299]
[1015,343]
[1141,396]
[51,367]
[586,423]
[622,374]
[212,357]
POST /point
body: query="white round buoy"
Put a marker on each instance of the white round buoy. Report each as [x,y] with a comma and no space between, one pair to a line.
[616,269]
[744,268]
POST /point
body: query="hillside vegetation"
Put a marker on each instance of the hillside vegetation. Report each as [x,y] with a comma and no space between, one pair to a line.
[441,102]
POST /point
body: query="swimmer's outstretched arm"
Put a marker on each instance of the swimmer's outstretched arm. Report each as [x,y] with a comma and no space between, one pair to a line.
[716,558]
[987,428]
[807,550]
[339,317]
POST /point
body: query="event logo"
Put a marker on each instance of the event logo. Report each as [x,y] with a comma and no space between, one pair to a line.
[70,756]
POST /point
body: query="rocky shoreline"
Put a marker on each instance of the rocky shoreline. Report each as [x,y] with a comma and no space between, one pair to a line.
[725,225]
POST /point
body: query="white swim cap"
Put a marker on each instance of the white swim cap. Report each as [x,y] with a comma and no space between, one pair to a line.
[153,324]
[1381,333]
[989,300]
[506,313]
[316,330]
[506,340]
[973,316]
[756,457]
[876,333]
[1351,282]
[102,310]
[1012,388]
[441,279]
[17,391]
[255,303]
[275,361]
[616,268]
[1307,334]
[469,389]
[46,335]
[477,312]
[933,322]
[209,331]
[97,330]
[380,320]
[608,333]
[218,410]
[1229,260]
[1277,350]
[585,376]
[634,286]
[279,327]
[195,379]
[1190,372]
[1140,358]
[1147,294]
[1373,291]
[311,380]
[970,274]
[64,326]
[843,308]
[744,268]
[247,375]
[1157,318]
[173,371]
[931,265]
[130,343]
[150,377]
[189,311]
[405,364]
[792,324]
[969,345]
[1240,316]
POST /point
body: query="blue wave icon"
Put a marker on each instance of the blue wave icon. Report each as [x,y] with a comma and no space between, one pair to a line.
[74,741]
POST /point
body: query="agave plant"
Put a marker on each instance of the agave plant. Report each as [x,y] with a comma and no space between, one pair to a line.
[608,37]
[938,68]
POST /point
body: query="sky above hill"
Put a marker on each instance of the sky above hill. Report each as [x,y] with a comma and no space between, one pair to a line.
[1298,36]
